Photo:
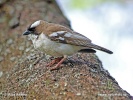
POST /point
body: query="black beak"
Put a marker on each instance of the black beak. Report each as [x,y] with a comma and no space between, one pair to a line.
[27,32]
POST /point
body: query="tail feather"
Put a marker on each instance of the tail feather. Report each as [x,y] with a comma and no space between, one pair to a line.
[87,50]
[101,48]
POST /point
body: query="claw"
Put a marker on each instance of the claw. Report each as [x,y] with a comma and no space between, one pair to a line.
[56,60]
[58,64]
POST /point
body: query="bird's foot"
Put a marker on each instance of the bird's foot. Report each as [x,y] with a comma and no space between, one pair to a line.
[58,64]
[56,60]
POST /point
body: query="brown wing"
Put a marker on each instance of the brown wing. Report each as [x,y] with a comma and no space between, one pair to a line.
[69,38]
[64,35]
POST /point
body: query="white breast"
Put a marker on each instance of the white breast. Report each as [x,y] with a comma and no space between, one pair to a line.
[53,48]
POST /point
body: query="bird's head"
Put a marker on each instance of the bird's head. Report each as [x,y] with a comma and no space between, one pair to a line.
[35,29]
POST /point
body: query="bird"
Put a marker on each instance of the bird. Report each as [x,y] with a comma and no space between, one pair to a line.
[59,41]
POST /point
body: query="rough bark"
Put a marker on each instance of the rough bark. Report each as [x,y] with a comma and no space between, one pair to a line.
[23,76]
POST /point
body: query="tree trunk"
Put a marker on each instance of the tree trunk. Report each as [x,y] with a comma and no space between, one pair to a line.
[24,75]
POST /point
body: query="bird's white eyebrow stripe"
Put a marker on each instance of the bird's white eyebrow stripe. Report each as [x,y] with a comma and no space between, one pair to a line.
[35,24]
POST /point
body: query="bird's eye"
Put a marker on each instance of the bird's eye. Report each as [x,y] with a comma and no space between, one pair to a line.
[31,29]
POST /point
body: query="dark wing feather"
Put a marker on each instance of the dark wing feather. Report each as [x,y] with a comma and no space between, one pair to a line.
[70,38]
[87,51]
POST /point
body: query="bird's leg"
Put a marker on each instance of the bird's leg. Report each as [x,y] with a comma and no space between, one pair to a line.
[56,60]
[59,63]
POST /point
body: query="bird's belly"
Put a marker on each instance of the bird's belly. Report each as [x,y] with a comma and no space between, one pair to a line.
[56,49]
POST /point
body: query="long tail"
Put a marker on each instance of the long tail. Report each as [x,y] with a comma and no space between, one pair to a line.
[101,48]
